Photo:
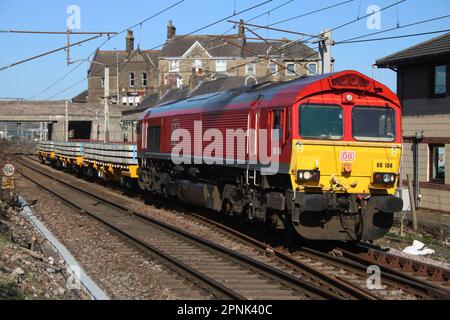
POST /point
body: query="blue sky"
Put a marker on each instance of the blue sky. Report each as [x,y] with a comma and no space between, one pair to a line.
[29,79]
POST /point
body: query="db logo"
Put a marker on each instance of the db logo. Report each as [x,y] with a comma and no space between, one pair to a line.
[347,156]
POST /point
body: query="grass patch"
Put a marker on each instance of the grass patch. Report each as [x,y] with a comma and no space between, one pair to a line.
[4,238]
[9,292]
[427,240]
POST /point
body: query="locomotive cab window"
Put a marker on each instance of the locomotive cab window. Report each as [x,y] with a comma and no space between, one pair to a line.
[277,122]
[321,121]
[153,139]
[373,123]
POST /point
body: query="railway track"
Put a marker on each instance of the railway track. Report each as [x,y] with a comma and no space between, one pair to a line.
[222,272]
[343,276]
[401,278]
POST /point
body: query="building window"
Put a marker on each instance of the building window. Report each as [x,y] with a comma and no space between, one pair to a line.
[144,79]
[437,163]
[312,69]
[251,69]
[290,69]
[174,66]
[131,79]
[197,64]
[440,80]
[102,82]
[221,66]
[273,68]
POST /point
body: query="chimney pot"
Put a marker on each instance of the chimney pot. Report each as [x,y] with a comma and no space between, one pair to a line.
[171,30]
[130,40]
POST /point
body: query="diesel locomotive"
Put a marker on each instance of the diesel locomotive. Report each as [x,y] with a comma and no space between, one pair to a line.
[318,155]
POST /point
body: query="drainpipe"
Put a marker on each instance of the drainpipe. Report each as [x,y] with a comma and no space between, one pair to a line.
[418,136]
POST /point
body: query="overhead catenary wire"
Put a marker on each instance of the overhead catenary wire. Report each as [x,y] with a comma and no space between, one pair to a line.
[58,32]
[233,27]
[109,38]
[394,28]
[68,88]
[311,12]
[367,15]
[159,13]
[271,10]
[297,51]
[179,2]
[396,37]
[214,23]
[48,52]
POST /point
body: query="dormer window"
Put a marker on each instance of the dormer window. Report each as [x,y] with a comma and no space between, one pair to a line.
[221,66]
[312,69]
[273,68]
[290,69]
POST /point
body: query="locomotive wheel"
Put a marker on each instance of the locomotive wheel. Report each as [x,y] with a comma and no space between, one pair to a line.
[140,182]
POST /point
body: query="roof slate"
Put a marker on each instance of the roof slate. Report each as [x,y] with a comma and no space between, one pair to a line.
[217,46]
[434,47]
[82,97]
[110,58]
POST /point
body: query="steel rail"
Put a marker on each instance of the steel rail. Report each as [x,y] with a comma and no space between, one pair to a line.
[271,271]
[353,260]
[227,293]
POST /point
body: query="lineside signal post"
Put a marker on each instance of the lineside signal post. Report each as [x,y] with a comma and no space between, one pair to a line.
[8,171]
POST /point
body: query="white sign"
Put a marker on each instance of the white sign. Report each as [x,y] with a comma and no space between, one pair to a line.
[8,170]
[347,156]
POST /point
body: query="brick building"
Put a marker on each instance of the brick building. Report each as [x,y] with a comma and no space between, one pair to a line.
[186,59]
[134,71]
[423,86]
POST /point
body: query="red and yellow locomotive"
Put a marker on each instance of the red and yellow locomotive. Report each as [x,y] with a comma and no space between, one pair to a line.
[319,155]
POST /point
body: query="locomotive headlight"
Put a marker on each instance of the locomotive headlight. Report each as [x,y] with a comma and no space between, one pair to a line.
[308,175]
[386,178]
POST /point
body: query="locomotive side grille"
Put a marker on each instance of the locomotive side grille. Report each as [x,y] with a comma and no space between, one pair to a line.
[154,139]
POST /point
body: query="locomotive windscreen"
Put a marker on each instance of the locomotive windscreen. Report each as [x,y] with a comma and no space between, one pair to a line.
[321,121]
[373,123]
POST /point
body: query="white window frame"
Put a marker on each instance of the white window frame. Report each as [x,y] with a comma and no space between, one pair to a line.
[247,69]
[289,72]
[132,78]
[221,66]
[102,82]
[144,79]
[443,70]
[272,64]
[309,70]
[197,64]
[174,66]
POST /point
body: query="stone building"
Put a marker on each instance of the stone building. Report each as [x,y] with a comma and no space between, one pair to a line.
[133,71]
[186,59]
[423,86]
[84,121]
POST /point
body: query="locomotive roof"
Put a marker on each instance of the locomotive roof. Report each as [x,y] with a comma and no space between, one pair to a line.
[285,93]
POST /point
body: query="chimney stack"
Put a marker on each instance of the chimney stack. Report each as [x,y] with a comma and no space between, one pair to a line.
[130,41]
[241,29]
[170,30]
